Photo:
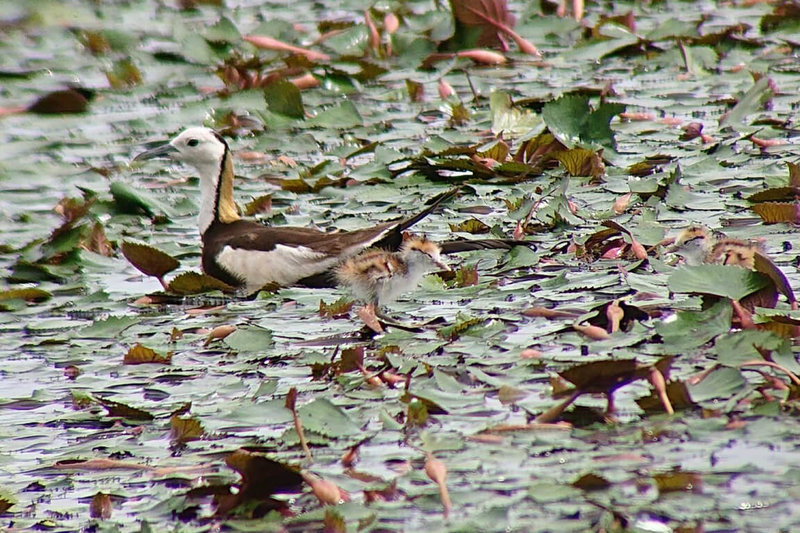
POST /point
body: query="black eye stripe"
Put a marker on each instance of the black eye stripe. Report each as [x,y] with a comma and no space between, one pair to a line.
[192,142]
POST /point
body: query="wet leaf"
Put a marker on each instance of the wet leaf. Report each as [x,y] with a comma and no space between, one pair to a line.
[187,283]
[721,280]
[602,376]
[472,225]
[100,506]
[140,354]
[249,339]
[117,409]
[573,121]
[678,481]
[70,100]
[32,295]
[324,418]
[283,98]
[148,260]
[778,212]
[183,430]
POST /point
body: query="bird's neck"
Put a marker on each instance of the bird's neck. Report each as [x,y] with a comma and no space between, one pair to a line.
[216,194]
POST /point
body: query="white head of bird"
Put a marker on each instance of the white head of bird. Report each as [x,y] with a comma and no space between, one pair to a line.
[206,151]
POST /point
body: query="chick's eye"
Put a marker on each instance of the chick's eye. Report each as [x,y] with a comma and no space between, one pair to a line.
[192,142]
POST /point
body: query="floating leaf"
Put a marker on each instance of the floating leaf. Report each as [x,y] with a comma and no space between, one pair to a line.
[324,418]
[462,325]
[124,75]
[472,225]
[581,162]
[135,201]
[262,204]
[71,100]
[342,116]
[591,482]
[117,409]
[778,212]
[31,294]
[100,506]
[776,194]
[721,280]
[149,260]
[183,430]
[139,354]
[752,101]
[678,482]
[249,339]
[339,308]
[187,283]
[572,121]
[283,98]
[602,376]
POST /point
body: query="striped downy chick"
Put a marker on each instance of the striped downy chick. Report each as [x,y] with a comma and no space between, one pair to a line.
[733,252]
[694,244]
[378,276]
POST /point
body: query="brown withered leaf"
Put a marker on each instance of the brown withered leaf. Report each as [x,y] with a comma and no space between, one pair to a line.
[590,482]
[183,430]
[603,376]
[73,209]
[72,100]
[351,359]
[262,476]
[464,12]
[262,204]
[100,506]
[337,309]
[472,225]
[794,174]
[188,283]
[582,162]
[765,265]
[117,409]
[139,354]
[149,260]
[497,150]
[298,185]
[97,241]
[124,74]
[466,276]
[31,294]
[678,395]
[678,482]
[778,212]
[534,151]
[333,521]
[776,194]
[5,504]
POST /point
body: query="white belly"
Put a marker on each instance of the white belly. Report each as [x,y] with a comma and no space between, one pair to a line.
[285,265]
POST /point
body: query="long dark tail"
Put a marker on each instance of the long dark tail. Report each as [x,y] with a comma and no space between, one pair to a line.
[467,245]
[433,203]
[394,236]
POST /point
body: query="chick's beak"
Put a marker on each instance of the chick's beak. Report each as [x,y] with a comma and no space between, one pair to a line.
[165,150]
[444,266]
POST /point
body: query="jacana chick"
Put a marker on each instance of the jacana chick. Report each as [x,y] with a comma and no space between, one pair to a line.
[378,277]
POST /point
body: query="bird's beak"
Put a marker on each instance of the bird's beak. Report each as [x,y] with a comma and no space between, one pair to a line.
[444,266]
[165,150]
